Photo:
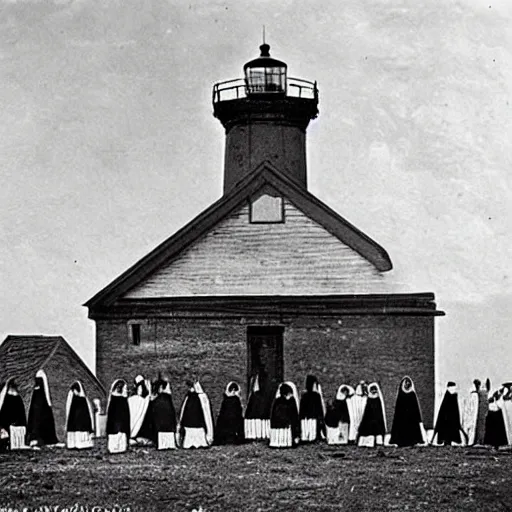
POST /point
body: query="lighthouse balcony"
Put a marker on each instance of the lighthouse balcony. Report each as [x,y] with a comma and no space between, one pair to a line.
[239,89]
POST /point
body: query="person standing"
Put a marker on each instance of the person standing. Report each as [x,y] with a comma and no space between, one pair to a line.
[118,417]
[230,422]
[79,419]
[407,428]
[196,423]
[312,412]
[41,423]
[13,420]
[448,428]
[164,416]
[372,429]
[338,417]
[284,418]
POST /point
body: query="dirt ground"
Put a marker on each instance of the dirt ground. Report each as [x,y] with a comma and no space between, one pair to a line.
[254,477]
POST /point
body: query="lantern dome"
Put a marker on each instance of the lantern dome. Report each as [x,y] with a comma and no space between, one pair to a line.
[265,75]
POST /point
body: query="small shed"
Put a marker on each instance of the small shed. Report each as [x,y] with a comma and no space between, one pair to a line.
[22,356]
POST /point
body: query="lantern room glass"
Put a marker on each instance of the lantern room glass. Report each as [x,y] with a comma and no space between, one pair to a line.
[262,80]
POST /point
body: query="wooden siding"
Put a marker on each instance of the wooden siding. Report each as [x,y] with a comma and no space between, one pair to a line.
[297,257]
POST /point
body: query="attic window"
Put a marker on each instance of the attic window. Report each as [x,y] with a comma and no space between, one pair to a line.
[267,210]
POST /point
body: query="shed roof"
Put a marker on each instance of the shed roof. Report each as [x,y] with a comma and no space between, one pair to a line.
[21,356]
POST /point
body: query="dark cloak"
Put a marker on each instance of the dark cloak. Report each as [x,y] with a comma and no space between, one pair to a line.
[79,418]
[193,416]
[12,412]
[495,431]
[259,404]
[372,423]
[41,424]
[448,427]
[229,428]
[337,413]
[311,408]
[285,415]
[164,414]
[118,416]
[406,430]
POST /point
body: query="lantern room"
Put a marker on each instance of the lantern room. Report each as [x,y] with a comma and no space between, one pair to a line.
[265,75]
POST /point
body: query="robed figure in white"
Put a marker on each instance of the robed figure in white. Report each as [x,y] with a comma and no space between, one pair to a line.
[141,419]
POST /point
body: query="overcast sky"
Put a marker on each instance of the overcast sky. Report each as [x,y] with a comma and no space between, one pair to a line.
[108,146]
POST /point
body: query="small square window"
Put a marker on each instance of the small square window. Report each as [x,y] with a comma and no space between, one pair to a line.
[135,334]
[267,210]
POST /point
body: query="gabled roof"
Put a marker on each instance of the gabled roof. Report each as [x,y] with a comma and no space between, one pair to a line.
[22,356]
[265,174]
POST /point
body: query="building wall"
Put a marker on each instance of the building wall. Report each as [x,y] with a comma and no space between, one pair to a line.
[338,350]
[297,257]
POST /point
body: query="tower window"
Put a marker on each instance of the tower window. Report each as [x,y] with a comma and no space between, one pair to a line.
[135,334]
[267,210]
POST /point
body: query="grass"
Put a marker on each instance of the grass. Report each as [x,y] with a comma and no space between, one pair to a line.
[254,477]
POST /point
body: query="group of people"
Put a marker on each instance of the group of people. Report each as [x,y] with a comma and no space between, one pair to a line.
[147,416]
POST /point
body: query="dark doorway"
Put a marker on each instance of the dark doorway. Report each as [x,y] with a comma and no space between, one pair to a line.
[265,355]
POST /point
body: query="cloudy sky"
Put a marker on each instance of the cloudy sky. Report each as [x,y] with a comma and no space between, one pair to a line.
[108,146]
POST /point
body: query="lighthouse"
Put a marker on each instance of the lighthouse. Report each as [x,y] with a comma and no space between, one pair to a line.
[265,115]
[268,280]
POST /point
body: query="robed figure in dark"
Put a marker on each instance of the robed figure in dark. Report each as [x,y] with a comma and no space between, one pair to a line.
[118,418]
[79,419]
[164,416]
[284,418]
[229,428]
[372,429]
[448,428]
[312,411]
[495,427]
[196,422]
[41,424]
[259,404]
[407,429]
[13,420]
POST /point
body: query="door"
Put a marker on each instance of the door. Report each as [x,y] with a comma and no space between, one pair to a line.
[265,356]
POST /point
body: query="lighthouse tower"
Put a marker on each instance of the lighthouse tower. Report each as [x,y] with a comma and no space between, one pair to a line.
[265,115]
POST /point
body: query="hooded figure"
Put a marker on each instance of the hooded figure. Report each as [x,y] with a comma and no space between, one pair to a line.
[79,418]
[372,429]
[448,427]
[12,415]
[196,422]
[164,416]
[312,411]
[495,429]
[41,425]
[259,404]
[358,405]
[507,409]
[118,417]
[284,418]
[475,412]
[230,422]
[407,429]
[141,418]
[338,417]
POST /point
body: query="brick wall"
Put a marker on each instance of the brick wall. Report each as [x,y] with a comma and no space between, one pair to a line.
[371,347]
